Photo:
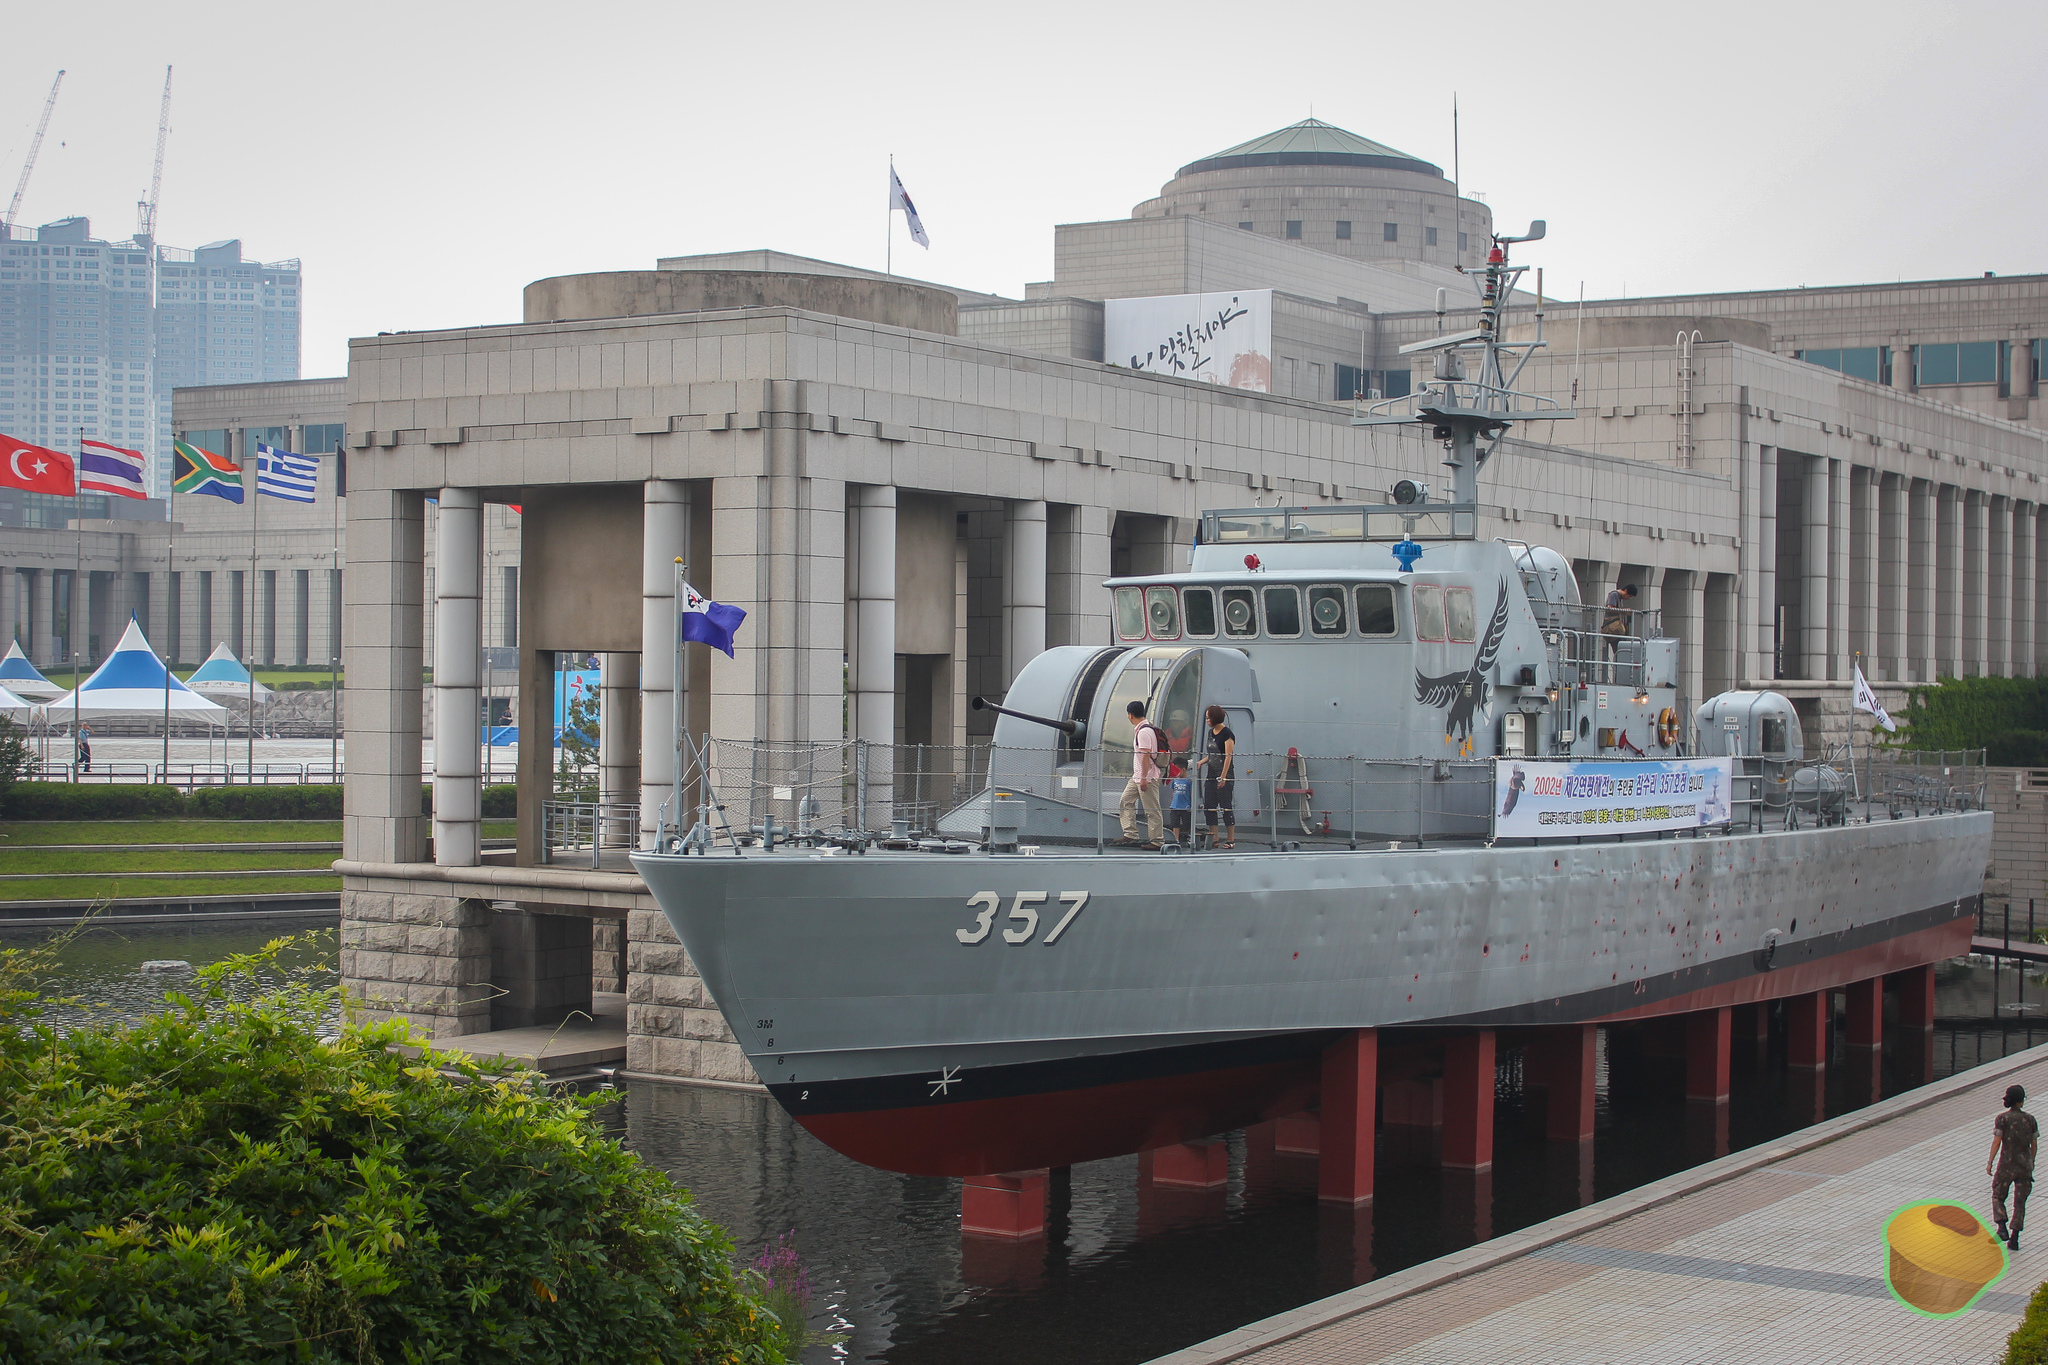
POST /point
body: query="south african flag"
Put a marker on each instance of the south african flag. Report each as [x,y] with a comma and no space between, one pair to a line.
[201,471]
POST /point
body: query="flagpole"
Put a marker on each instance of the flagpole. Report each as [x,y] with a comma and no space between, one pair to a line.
[170,611]
[77,568]
[334,652]
[679,712]
[889,223]
[255,496]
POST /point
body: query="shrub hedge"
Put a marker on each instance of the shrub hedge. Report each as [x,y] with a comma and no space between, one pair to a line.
[2028,1344]
[148,801]
[2007,717]
[223,1182]
[90,801]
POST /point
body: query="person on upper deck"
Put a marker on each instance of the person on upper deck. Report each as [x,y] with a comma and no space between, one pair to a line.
[1219,781]
[1618,619]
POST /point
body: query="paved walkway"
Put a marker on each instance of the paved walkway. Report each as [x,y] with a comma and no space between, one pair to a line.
[1773,1254]
[569,1046]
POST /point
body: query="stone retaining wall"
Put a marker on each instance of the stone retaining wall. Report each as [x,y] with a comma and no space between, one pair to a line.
[673,1028]
[423,958]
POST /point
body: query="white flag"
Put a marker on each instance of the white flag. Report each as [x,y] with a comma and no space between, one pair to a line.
[899,198]
[1866,700]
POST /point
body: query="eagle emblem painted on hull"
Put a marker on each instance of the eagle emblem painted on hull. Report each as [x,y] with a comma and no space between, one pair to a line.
[1464,695]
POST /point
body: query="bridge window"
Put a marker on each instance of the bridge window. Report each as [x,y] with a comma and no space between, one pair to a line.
[1458,615]
[1130,613]
[1162,613]
[1429,612]
[1199,607]
[1283,611]
[1240,615]
[1326,610]
[1376,609]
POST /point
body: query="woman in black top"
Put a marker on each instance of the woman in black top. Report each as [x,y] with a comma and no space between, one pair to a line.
[1219,778]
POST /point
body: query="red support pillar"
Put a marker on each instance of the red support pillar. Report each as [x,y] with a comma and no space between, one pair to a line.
[1350,1085]
[1009,1205]
[1806,1030]
[1708,1049]
[1203,1165]
[1562,1061]
[1468,1101]
[1866,1036]
[1916,996]
[1298,1134]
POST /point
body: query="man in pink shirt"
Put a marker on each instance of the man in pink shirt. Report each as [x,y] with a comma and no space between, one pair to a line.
[1143,788]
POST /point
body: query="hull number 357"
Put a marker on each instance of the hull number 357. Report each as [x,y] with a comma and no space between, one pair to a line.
[1022,921]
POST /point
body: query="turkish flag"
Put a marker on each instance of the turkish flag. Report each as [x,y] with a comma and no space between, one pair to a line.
[35,469]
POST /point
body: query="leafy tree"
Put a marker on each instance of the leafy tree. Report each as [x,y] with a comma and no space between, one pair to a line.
[579,748]
[236,1180]
[17,759]
[2007,717]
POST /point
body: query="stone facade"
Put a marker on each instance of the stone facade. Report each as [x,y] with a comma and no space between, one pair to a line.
[673,1027]
[418,957]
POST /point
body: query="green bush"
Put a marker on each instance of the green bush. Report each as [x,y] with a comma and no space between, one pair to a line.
[501,802]
[310,801]
[2028,1344]
[90,801]
[223,1183]
[2007,717]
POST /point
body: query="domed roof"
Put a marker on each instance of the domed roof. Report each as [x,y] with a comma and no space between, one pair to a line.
[1310,142]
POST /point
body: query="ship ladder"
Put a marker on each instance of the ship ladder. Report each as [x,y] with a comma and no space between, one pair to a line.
[1293,784]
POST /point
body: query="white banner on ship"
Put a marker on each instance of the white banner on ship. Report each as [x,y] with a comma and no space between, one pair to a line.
[1539,800]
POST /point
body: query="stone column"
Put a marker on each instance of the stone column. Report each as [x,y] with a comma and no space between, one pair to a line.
[1922,508]
[1893,539]
[1077,557]
[1814,562]
[1998,593]
[1841,623]
[1976,535]
[871,651]
[1759,664]
[159,590]
[2022,387]
[381,653]
[458,621]
[2025,549]
[1863,572]
[42,619]
[10,588]
[1690,590]
[1902,364]
[664,539]
[1024,586]
[1948,581]
[618,729]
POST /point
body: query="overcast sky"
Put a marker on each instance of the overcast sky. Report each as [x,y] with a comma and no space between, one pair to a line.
[427,160]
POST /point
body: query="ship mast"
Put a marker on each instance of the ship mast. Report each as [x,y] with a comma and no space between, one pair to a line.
[1463,412]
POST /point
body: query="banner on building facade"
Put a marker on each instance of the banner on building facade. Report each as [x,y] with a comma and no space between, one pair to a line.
[1224,338]
[1533,799]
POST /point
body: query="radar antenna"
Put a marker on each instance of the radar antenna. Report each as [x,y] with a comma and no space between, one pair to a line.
[35,145]
[1460,410]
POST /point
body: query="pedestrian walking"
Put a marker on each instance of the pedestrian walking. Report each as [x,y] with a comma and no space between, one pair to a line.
[85,748]
[1219,781]
[1142,791]
[2014,1136]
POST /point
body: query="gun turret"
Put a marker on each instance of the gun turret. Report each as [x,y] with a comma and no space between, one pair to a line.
[1072,729]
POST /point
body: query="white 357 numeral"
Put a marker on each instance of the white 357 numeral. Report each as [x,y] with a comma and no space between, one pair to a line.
[1023,912]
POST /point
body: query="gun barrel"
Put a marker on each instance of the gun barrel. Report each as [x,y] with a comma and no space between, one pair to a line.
[1070,728]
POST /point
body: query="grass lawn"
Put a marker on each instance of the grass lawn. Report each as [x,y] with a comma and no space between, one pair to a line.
[103,888]
[23,861]
[59,832]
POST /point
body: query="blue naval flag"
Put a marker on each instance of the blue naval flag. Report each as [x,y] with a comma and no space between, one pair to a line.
[708,622]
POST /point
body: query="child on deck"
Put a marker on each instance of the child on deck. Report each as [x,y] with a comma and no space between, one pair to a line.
[1179,812]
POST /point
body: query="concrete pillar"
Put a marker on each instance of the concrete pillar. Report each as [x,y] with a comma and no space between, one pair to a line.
[540,968]
[1806,1030]
[1077,553]
[1948,581]
[1349,1096]
[664,539]
[1998,593]
[1902,364]
[2025,551]
[1709,1042]
[1863,573]
[1200,1165]
[1914,1040]
[1764,587]
[1922,583]
[1010,1205]
[1024,586]
[618,729]
[10,608]
[1563,1062]
[1976,537]
[871,649]
[1814,564]
[1718,636]
[458,622]
[159,612]
[1894,621]
[1468,1101]
[1840,624]
[381,654]
[1866,1036]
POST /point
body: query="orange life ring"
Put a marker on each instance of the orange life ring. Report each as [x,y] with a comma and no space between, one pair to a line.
[1667,727]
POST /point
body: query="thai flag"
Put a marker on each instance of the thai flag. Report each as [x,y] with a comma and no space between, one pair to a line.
[110,469]
[708,622]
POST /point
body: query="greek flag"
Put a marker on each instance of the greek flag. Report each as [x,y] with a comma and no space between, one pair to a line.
[281,474]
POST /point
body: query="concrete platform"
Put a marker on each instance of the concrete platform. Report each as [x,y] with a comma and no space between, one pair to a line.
[575,1045]
[1772,1254]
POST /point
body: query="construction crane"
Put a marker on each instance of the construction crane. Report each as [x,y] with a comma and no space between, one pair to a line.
[36,145]
[145,211]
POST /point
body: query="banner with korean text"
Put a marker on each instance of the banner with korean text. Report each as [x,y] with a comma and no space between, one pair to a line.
[1533,799]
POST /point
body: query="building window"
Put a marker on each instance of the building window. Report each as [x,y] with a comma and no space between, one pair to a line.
[1351,383]
[1873,363]
[1429,236]
[1461,241]
[1343,229]
[1390,232]
[1244,227]
[1965,362]
[1294,229]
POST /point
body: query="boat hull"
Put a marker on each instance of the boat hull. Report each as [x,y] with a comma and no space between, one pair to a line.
[1184,996]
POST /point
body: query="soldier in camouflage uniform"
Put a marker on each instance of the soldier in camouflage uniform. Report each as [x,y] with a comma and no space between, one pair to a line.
[2014,1137]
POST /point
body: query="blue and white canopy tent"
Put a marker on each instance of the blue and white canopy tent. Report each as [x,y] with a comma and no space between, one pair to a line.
[222,678]
[20,677]
[133,682]
[13,707]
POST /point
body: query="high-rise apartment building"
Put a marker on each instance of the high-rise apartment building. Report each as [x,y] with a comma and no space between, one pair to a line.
[90,342]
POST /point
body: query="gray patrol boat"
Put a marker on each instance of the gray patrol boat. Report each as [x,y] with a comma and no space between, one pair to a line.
[1463,797]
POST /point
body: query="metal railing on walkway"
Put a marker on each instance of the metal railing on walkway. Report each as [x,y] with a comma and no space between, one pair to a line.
[190,775]
[579,830]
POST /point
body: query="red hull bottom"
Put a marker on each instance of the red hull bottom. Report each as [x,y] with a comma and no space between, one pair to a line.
[1061,1127]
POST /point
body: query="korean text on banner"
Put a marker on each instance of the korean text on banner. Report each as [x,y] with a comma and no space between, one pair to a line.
[1540,800]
